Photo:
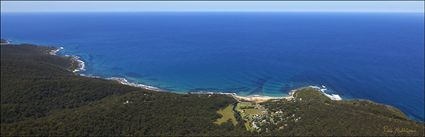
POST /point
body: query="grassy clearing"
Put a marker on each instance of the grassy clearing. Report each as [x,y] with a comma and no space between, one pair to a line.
[254,111]
[226,114]
[248,110]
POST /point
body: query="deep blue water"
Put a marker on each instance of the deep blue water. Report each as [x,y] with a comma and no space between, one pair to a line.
[376,56]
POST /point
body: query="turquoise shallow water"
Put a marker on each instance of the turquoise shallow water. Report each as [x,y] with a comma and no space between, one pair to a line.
[376,56]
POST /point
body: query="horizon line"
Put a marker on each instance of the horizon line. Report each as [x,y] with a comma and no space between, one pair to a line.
[212,6]
[200,11]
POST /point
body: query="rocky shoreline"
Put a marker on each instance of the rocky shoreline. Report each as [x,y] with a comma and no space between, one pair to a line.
[251,98]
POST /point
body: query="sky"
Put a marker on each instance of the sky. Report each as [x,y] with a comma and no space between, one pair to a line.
[212,6]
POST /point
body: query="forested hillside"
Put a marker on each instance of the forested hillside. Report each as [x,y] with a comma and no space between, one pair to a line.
[312,111]
[41,96]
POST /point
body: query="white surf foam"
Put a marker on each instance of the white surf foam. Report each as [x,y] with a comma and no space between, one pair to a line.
[82,67]
[55,51]
[126,82]
[323,89]
[81,64]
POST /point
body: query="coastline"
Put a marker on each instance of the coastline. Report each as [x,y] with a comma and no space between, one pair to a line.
[126,82]
[81,66]
[323,89]
[240,98]
[111,102]
[55,51]
[260,99]
[4,42]
[252,98]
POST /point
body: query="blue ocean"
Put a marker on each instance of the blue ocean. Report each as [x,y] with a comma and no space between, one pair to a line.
[375,56]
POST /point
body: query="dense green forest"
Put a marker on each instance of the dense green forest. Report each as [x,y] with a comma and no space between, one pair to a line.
[312,111]
[41,96]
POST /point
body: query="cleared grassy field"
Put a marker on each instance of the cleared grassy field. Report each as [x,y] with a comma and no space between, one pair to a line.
[247,110]
[226,113]
[254,111]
